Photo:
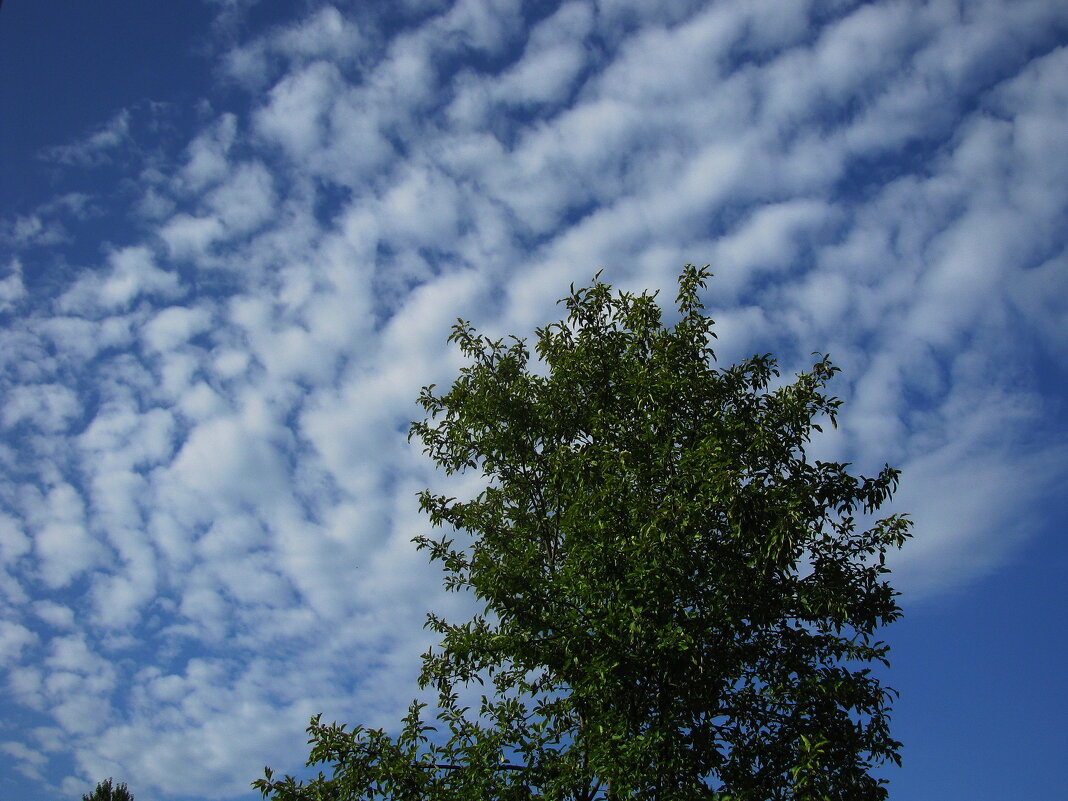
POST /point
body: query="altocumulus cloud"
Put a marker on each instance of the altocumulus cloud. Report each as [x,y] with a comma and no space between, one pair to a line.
[207,494]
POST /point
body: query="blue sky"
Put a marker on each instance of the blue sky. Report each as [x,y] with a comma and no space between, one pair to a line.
[233,236]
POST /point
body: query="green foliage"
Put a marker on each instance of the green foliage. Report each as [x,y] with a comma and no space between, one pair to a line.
[106,791]
[679,603]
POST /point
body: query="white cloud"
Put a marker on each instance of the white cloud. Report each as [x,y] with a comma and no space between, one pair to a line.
[174,326]
[13,639]
[543,78]
[296,110]
[356,143]
[660,60]
[771,238]
[246,200]
[554,56]
[134,273]
[56,615]
[188,236]
[81,710]
[21,752]
[196,733]
[325,34]
[24,684]
[78,338]
[226,464]
[92,150]
[287,349]
[49,407]
[422,209]
[208,155]
[1040,295]
[12,290]
[974,518]
[13,540]
[63,545]
[78,686]
[32,230]
[121,436]
[486,25]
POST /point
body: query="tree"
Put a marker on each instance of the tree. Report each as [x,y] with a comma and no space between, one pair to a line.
[105,791]
[680,604]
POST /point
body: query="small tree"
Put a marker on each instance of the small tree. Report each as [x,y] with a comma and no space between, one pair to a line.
[106,792]
[679,603]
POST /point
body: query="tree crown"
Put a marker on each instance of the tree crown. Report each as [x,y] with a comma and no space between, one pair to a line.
[107,791]
[679,603]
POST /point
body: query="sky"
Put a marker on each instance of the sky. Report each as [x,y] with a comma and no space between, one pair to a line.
[234,235]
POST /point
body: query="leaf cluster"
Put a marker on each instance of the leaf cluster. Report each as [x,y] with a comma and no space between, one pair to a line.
[107,790]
